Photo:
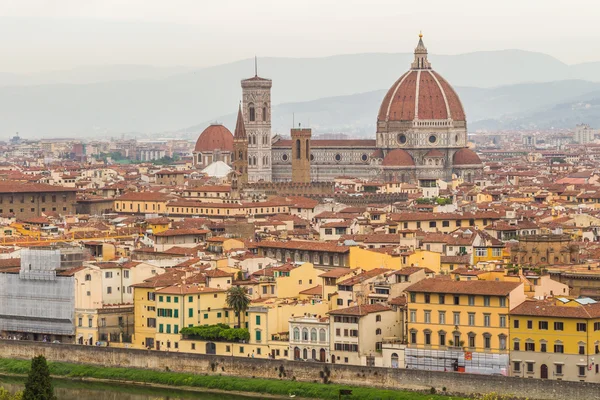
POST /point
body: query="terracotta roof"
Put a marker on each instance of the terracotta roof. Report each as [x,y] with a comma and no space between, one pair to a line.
[363,276]
[15,187]
[436,99]
[144,196]
[477,287]
[407,271]
[360,310]
[398,158]
[304,245]
[314,291]
[546,308]
[398,301]
[182,232]
[466,157]
[217,273]
[214,137]
[10,263]
[336,273]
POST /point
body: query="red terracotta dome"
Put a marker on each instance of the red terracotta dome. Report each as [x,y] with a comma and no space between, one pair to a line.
[466,157]
[398,158]
[215,137]
[421,94]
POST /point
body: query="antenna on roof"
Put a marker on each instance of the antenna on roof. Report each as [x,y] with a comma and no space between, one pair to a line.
[293,120]
[255,66]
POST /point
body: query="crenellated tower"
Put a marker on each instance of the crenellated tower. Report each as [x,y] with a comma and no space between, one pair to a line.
[301,155]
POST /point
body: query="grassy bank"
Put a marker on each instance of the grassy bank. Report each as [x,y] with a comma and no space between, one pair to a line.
[251,385]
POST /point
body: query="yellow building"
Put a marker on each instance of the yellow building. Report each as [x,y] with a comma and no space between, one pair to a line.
[144,300]
[298,279]
[556,339]
[368,259]
[187,305]
[443,222]
[460,325]
[141,203]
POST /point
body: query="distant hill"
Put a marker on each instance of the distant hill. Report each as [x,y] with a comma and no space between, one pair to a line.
[493,108]
[92,101]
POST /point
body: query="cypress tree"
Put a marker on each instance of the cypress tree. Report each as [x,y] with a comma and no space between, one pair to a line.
[39,385]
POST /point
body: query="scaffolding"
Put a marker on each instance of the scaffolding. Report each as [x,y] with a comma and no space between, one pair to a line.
[37,300]
[457,360]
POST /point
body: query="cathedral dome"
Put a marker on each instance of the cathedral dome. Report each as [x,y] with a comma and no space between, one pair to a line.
[466,157]
[214,137]
[421,94]
[398,158]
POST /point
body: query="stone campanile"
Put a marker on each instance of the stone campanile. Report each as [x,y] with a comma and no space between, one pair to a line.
[256,108]
[301,155]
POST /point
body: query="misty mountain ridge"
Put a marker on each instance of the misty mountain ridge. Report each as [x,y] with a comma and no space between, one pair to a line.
[150,100]
[505,107]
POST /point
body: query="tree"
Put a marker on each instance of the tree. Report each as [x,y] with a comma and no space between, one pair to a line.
[39,385]
[6,395]
[238,300]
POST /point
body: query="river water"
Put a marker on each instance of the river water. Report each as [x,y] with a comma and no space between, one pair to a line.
[79,390]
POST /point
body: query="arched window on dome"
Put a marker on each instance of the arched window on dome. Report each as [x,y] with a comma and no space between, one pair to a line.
[251,112]
[298,149]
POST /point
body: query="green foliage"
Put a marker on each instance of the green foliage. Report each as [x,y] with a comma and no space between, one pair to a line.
[227,383]
[441,201]
[218,333]
[166,160]
[39,385]
[238,300]
[6,395]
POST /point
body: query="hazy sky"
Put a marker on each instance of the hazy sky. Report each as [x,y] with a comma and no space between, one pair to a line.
[55,34]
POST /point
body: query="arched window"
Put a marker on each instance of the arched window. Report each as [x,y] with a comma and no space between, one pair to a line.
[313,335]
[298,149]
[305,354]
[88,277]
[305,334]
[322,336]
[378,331]
[378,318]
[296,334]
[264,112]
[307,150]
[251,112]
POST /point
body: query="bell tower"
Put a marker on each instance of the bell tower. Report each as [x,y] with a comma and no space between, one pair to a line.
[301,155]
[256,109]
[240,149]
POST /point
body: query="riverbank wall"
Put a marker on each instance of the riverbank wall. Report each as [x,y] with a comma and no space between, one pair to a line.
[384,378]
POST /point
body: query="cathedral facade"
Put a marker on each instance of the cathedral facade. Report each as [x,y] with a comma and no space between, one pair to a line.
[421,136]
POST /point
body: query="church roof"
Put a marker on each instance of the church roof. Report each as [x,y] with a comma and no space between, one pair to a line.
[421,94]
[216,136]
[240,128]
[466,157]
[217,169]
[398,158]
